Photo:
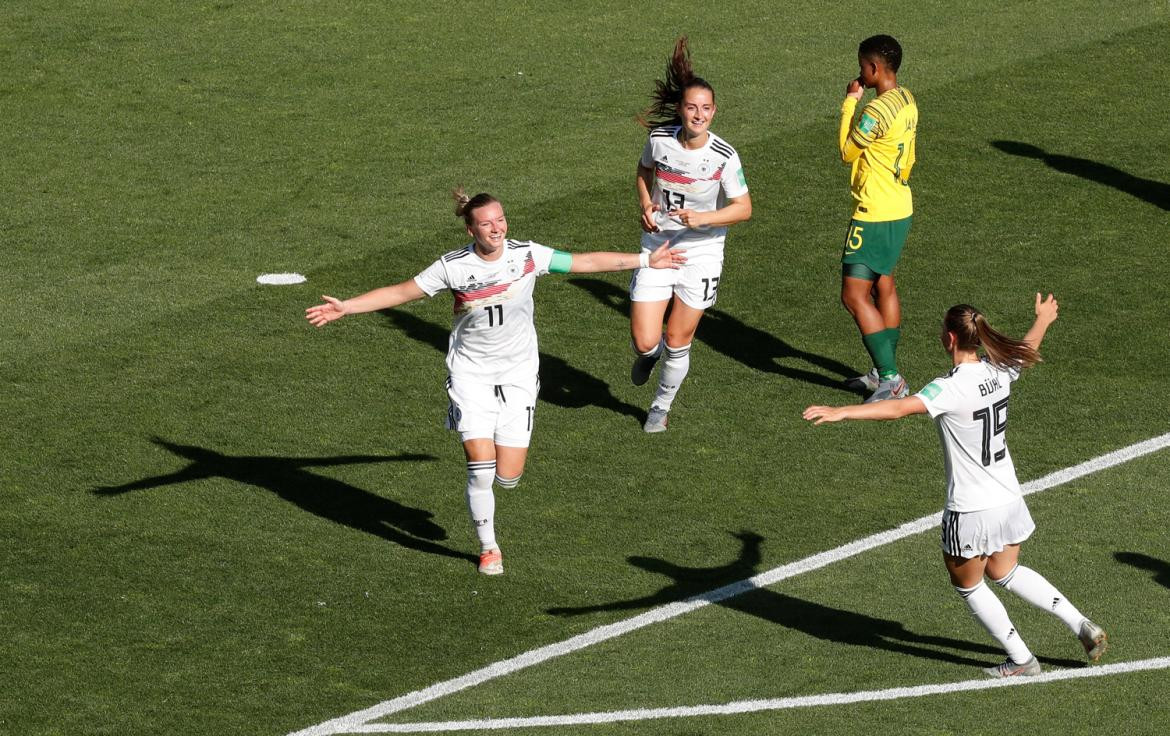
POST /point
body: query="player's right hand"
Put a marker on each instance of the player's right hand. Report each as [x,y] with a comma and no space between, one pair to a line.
[648,221]
[323,314]
[854,89]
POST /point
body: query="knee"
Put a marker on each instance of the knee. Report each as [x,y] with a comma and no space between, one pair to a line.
[679,338]
[645,343]
[1006,580]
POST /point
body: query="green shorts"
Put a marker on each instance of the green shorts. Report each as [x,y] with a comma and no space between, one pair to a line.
[877,245]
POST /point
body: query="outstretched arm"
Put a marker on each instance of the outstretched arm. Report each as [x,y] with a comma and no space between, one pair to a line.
[664,257]
[383,298]
[1046,313]
[888,409]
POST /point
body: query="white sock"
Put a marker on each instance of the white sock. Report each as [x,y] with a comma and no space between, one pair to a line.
[1034,588]
[675,366]
[989,611]
[503,482]
[481,502]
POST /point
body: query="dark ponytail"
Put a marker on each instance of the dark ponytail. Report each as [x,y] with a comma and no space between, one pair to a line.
[669,91]
[972,331]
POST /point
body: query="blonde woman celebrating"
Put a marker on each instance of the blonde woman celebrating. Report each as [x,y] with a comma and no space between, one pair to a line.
[492,358]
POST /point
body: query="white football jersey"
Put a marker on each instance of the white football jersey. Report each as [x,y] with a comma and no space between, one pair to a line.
[701,180]
[493,339]
[970,407]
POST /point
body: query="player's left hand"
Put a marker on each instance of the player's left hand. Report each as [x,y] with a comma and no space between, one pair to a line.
[1047,309]
[688,218]
[822,414]
[666,257]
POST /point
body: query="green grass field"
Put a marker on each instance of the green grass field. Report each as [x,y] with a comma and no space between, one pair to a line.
[218,520]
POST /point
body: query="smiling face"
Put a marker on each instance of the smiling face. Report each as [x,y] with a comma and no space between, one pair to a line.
[489,227]
[696,110]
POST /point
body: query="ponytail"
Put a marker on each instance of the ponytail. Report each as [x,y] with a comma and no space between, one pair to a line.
[972,331]
[669,91]
[465,205]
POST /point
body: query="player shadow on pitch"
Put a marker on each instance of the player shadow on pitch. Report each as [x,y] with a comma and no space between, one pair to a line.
[1148,190]
[814,619]
[739,341]
[1160,568]
[560,383]
[319,495]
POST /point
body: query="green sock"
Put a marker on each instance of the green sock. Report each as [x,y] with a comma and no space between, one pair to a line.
[880,346]
[893,333]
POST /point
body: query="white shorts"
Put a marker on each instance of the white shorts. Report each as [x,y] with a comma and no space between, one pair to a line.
[502,413]
[976,533]
[696,284]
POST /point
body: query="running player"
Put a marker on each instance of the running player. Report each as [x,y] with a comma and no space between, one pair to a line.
[985,519]
[690,187]
[880,148]
[492,360]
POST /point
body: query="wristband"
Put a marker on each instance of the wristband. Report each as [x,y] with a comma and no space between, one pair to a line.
[644,259]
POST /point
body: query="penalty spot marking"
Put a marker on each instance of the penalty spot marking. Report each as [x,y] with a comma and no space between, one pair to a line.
[756,706]
[280,279]
[359,721]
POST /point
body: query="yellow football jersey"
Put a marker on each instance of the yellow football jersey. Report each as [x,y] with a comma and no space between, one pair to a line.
[880,145]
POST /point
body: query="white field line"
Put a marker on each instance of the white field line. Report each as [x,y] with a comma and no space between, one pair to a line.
[354,722]
[755,706]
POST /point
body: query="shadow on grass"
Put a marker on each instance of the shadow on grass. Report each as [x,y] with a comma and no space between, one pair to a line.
[739,341]
[1160,568]
[319,495]
[1148,190]
[560,383]
[820,621]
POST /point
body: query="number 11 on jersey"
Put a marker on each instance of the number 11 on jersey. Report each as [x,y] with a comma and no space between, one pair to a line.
[495,314]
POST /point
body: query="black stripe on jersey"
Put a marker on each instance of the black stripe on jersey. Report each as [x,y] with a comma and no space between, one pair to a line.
[884,111]
[457,254]
[668,131]
[516,244]
[722,148]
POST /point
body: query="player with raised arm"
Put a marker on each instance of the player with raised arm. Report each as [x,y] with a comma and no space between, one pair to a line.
[691,187]
[492,359]
[880,148]
[985,519]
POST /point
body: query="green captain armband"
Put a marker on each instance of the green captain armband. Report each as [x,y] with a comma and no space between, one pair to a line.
[561,262]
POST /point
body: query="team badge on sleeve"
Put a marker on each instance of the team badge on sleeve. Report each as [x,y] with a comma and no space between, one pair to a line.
[867,123]
[931,390]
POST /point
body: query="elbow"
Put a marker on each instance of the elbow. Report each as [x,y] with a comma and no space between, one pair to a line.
[747,212]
